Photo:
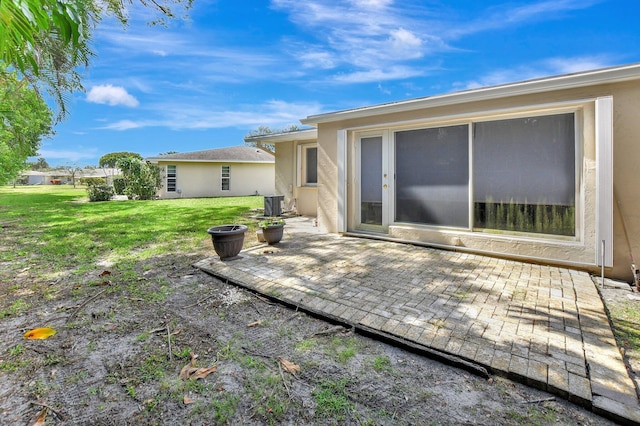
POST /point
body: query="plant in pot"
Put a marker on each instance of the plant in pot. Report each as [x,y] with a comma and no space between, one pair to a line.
[227,240]
[272,229]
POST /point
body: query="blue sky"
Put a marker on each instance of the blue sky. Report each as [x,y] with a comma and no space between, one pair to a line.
[233,66]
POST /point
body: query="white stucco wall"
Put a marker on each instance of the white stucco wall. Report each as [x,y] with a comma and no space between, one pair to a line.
[196,179]
[306,198]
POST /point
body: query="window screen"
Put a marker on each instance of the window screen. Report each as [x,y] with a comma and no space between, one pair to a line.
[524,174]
[432,176]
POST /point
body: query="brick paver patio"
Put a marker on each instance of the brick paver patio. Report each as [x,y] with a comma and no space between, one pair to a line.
[540,325]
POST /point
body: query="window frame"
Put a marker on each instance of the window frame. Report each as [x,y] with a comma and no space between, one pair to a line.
[576,107]
[172,178]
[302,165]
[225,177]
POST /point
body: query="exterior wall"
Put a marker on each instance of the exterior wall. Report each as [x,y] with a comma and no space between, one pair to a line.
[285,172]
[306,198]
[204,179]
[580,253]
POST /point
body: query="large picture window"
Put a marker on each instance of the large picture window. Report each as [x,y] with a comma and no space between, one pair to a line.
[515,175]
[524,176]
[432,176]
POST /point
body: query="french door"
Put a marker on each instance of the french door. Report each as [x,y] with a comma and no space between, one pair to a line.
[373,182]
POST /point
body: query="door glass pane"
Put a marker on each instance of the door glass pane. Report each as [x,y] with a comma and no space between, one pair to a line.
[432,176]
[371,180]
[311,164]
[524,174]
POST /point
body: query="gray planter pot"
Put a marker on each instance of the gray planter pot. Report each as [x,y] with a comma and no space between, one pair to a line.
[273,233]
[227,240]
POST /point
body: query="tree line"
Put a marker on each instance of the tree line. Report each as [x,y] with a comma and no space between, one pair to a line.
[44,47]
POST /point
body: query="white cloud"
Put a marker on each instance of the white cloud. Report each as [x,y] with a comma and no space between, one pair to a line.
[393,73]
[175,116]
[539,69]
[81,153]
[111,95]
[322,60]
[124,125]
[366,36]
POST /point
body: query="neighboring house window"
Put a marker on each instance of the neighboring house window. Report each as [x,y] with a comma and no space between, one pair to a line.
[307,165]
[516,175]
[172,178]
[226,178]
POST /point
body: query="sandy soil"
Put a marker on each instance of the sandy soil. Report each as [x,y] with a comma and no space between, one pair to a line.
[112,361]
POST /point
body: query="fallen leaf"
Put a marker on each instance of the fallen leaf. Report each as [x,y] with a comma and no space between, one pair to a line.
[188,400]
[40,420]
[201,373]
[289,366]
[39,333]
[255,323]
[104,273]
[190,371]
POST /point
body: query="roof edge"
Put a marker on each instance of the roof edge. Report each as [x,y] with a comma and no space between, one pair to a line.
[298,135]
[545,84]
[155,160]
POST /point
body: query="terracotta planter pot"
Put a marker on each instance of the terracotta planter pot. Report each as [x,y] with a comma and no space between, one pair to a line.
[273,233]
[227,240]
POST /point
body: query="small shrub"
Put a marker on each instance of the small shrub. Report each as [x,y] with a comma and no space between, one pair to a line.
[100,192]
[119,184]
[93,181]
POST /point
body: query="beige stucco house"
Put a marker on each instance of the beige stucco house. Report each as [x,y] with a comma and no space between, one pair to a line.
[542,170]
[222,172]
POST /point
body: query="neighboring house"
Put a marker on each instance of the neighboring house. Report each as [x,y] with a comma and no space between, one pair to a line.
[34,177]
[543,170]
[63,177]
[296,169]
[222,172]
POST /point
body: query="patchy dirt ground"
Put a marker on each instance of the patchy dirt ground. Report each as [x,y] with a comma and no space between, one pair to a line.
[623,303]
[125,337]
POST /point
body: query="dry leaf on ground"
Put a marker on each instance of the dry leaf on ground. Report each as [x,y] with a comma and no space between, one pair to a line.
[39,333]
[288,366]
[40,420]
[190,371]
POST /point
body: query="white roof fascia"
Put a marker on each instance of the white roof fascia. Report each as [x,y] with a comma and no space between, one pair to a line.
[179,160]
[300,135]
[568,81]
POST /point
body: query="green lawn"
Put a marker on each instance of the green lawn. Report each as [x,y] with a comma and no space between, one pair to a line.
[56,227]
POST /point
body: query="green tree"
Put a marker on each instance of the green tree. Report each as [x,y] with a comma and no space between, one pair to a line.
[73,170]
[25,119]
[45,44]
[111,159]
[142,179]
[40,164]
[265,130]
[47,41]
